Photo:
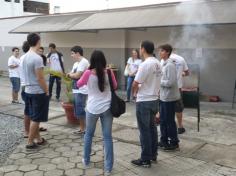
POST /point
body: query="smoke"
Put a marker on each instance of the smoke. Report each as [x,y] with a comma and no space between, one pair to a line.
[193,37]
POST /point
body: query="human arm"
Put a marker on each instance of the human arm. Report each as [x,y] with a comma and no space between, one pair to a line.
[170,76]
[84,79]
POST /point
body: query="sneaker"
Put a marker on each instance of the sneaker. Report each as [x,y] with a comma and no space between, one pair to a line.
[107,173]
[127,101]
[181,130]
[140,162]
[154,160]
[32,146]
[161,145]
[79,132]
[171,147]
[86,166]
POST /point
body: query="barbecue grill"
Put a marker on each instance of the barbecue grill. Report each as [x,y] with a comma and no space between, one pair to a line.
[234,95]
[190,91]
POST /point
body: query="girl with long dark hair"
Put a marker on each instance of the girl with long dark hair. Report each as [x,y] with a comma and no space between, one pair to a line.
[98,106]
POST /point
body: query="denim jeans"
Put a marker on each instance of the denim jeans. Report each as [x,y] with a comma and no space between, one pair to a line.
[106,119]
[130,80]
[167,124]
[146,112]
[58,82]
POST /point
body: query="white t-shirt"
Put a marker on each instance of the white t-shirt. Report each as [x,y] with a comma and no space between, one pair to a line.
[22,77]
[133,64]
[80,66]
[181,66]
[14,72]
[54,62]
[148,75]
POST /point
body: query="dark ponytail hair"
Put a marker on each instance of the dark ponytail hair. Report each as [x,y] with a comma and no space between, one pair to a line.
[98,62]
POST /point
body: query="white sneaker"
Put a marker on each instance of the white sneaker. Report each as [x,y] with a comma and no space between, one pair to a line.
[107,173]
[86,166]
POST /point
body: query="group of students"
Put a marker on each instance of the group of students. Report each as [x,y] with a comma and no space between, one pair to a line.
[156,87]
[153,85]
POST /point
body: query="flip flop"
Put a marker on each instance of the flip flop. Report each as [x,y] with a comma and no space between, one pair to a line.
[43,142]
[25,136]
[42,129]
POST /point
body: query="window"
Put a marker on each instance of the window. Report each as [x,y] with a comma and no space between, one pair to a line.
[8,0]
[17,1]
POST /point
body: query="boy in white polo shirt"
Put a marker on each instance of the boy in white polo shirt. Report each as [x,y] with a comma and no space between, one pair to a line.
[146,86]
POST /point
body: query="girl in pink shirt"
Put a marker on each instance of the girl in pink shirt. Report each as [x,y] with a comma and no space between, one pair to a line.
[98,106]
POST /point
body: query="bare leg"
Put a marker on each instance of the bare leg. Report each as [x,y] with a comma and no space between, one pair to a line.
[27,125]
[82,124]
[14,96]
[34,132]
[179,116]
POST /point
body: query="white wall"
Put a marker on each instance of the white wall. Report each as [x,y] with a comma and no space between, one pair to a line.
[10,40]
[102,39]
[9,24]
[10,9]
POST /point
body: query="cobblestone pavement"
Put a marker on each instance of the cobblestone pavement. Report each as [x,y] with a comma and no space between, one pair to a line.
[210,152]
[63,154]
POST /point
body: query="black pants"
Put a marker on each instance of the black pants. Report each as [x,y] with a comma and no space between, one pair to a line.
[58,82]
[146,112]
[168,126]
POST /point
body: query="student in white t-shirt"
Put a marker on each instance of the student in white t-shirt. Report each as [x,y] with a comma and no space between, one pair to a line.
[182,70]
[80,94]
[14,73]
[56,63]
[132,65]
[146,86]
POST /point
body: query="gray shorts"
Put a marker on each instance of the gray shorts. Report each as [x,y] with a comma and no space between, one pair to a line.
[179,106]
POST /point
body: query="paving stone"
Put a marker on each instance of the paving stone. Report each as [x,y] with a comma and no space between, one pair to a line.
[66,141]
[41,161]
[14,173]
[66,165]
[47,167]
[23,161]
[75,159]
[93,171]
[35,155]
[52,155]
[60,137]
[8,168]
[56,145]
[77,149]
[17,155]
[34,173]
[52,141]
[69,153]
[74,172]
[96,158]
[46,150]
[59,160]
[55,172]
[73,145]
[63,149]
[28,167]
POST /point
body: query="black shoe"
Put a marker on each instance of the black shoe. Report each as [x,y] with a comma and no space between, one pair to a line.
[32,146]
[139,162]
[161,145]
[127,101]
[171,147]
[154,160]
[181,130]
